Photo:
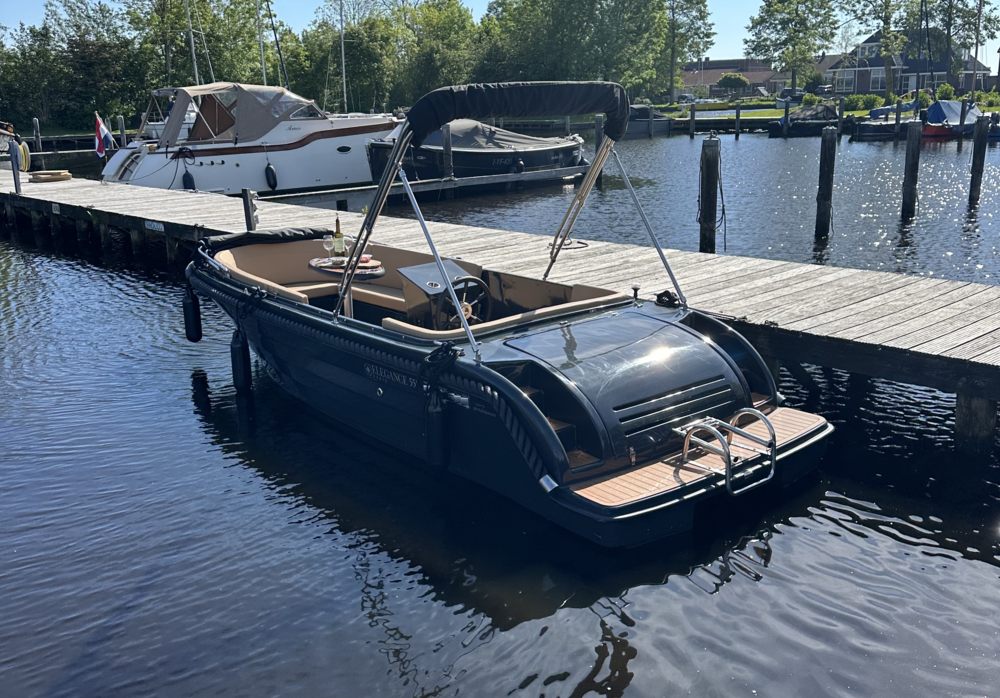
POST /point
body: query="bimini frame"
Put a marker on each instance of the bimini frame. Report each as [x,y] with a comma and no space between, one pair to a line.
[503,100]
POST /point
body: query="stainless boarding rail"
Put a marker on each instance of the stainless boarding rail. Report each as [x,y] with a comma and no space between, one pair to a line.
[723,433]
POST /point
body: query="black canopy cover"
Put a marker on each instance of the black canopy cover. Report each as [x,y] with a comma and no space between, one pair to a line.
[519,99]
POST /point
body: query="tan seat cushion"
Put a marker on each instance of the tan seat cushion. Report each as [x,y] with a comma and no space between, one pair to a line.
[225,258]
[382,296]
[507,322]
[311,289]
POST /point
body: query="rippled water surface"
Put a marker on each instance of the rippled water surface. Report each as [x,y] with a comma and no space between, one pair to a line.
[161,537]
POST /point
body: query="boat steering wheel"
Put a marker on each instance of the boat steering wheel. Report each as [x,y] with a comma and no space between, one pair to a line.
[474,301]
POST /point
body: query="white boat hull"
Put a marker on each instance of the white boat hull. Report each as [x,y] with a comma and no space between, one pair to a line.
[313,156]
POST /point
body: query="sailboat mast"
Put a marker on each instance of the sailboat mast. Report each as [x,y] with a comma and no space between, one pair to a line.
[194,58]
[260,40]
[277,44]
[343,68]
[204,44]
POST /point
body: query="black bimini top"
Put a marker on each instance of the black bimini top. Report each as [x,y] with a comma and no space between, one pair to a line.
[519,99]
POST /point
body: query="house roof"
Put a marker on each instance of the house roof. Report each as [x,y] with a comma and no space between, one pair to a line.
[710,77]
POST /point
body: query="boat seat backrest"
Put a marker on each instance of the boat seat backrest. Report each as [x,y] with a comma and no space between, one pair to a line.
[283,263]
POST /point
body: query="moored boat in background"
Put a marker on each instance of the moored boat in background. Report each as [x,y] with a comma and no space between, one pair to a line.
[224,137]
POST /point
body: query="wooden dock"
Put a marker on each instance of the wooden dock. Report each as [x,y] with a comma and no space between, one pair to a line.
[933,332]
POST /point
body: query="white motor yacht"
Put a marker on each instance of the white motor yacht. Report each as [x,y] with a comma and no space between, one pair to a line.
[224,137]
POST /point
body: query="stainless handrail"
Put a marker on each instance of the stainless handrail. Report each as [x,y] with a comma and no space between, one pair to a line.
[716,428]
[649,229]
[440,264]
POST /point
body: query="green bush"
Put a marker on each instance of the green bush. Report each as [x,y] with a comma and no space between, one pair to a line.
[890,101]
[872,101]
[986,99]
[854,102]
[808,100]
[945,92]
[925,100]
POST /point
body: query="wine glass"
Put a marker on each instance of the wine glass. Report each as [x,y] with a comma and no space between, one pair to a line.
[328,246]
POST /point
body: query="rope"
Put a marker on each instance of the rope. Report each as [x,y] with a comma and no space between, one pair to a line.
[436,363]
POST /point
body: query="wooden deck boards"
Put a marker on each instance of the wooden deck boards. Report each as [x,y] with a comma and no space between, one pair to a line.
[945,334]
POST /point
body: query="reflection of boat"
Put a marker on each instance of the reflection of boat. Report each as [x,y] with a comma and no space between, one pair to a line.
[613,417]
[478,149]
[225,137]
[944,120]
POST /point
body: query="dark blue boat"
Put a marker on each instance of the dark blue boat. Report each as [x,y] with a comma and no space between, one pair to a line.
[613,416]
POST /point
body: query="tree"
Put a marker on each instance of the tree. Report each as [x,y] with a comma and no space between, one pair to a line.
[958,20]
[733,81]
[789,33]
[689,35]
[881,16]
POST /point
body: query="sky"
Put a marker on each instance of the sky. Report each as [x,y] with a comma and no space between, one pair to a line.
[729,16]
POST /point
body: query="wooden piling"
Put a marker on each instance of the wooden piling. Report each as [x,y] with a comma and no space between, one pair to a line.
[711,153]
[249,209]
[491,121]
[38,135]
[899,116]
[121,131]
[737,122]
[961,121]
[598,131]
[691,118]
[650,124]
[448,166]
[566,125]
[173,249]
[975,424]
[784,122]
[824,196]
[980,137]
[840,117]
[84,230]
[911,169]
[138,238]
[104,231]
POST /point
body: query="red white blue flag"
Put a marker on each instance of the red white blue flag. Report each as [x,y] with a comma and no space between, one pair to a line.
[102,137]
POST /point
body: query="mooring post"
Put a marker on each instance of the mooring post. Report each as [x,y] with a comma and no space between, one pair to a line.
[711,155]
[566,125]
[121,130]
[492,121]
[899,116]
[979,138]
[651,120]
[840,117]
[249,209]
[138,238]
[911,169]
[448,167]
[691,118]
[173,249]
[598,131]
[84,228]
[15,167]
[961,122]
[737,121]
[104,230]
[784,122]
[239,354]
[824,197]
[55,232]
[38,135]
[975,423]
[500,122]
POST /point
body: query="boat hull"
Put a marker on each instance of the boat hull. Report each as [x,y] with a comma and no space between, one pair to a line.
[427,162]
[322,159]
[371,384]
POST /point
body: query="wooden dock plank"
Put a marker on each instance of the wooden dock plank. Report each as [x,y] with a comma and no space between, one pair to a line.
[901,327]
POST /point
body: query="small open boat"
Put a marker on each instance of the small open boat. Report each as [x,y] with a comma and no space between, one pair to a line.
[613,416]
[944,120]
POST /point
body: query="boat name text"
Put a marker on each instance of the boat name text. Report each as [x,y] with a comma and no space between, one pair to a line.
[386,375]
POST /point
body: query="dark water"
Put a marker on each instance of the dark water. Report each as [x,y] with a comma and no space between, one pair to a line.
[161,537]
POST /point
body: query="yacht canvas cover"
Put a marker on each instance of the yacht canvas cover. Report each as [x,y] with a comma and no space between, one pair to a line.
[815,112]
[257,109]
[520,99]
[950,112]
[466,133]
